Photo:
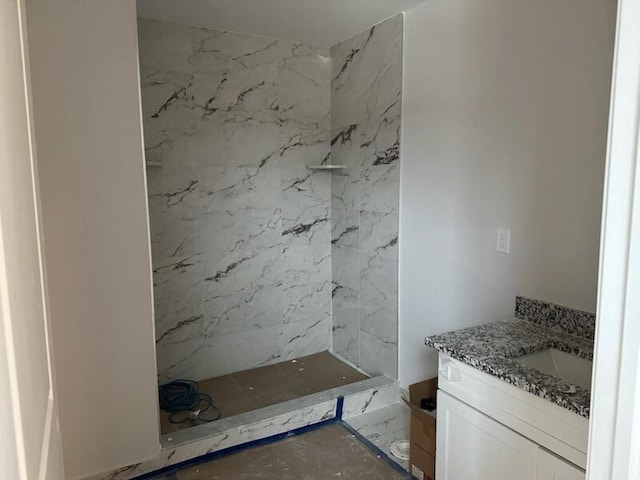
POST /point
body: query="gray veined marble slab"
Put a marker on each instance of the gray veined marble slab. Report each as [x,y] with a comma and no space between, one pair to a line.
[267,100]
[305,263]
[300,144]
[382,392]
[380,188]
[378,356]
[221,139]
[381,141]
[235,120]
[346,322]
[178,286]
[345,224]
[366,74]
[229,231]
[360,397]
[308,302]
[212,48]
[241,291]
[304,93]
[379,277]
[239,188]
[173,153]
[307,226]
[181,274]
[174,233]
[379,233]
[177,191]
[304,190]
[378,319]
[231,272]
[366,83]
[168,102]
[173,213]
[309,335]
[193,355]
[346,145]
[167,110]
[345,188]
[247,93]
[345,264]
[242,311]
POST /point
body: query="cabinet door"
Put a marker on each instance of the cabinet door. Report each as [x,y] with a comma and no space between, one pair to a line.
[472,446]
[551,467]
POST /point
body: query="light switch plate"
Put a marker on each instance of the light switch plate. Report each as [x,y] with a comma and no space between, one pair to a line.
[503,243]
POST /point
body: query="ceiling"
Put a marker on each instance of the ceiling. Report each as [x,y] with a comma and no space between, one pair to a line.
[315,22]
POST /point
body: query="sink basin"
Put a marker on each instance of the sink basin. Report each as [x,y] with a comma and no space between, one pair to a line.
[565,366]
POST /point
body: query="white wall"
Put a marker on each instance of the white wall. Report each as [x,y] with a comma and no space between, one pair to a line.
[504,125]
[87,118]
[29,437]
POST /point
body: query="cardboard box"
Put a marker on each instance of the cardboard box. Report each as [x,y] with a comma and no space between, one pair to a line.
[423,467]
[422,451]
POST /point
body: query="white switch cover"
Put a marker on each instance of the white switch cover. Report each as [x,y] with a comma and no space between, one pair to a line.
[503,243]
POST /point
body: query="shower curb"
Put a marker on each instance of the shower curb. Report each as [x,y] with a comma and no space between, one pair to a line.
[264,423]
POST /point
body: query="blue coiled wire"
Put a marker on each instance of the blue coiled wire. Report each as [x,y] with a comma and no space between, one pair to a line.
[181,399]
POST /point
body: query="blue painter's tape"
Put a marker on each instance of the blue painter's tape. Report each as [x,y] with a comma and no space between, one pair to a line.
[339,407]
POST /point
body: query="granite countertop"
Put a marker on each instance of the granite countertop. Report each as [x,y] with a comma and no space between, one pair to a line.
[493,348]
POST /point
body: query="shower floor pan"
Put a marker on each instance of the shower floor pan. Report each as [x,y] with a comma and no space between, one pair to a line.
[265,386]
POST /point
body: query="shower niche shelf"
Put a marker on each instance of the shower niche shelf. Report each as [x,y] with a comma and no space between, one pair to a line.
[326,168]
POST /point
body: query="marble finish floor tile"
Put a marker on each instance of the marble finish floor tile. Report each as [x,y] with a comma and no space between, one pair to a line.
[264,386]
[384,426]
[328,452]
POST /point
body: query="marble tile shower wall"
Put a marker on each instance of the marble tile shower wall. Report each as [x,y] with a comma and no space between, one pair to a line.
[366,84]
[240,229]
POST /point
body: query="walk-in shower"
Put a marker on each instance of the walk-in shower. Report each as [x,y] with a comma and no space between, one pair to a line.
[272,280]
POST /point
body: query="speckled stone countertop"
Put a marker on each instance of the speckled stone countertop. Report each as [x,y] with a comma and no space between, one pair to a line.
[493,348]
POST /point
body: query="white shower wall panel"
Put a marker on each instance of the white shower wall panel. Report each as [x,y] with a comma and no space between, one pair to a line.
[240,229]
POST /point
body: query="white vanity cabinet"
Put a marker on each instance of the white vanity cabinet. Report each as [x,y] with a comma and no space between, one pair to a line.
[487,430]
[551,467]
[471,445]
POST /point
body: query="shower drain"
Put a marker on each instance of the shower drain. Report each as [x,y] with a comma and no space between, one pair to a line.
[400,449]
